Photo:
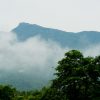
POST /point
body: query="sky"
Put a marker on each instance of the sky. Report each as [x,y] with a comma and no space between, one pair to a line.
[68,15]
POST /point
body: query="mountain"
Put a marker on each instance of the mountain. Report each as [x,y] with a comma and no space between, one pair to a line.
[72,40]
[39,68]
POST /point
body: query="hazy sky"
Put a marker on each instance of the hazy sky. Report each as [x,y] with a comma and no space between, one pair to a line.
[69,15]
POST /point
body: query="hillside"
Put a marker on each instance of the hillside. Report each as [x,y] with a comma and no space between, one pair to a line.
[73,40]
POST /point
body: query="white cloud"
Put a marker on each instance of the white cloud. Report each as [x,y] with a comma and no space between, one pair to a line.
[35,53]
[32,58]
[32,61]
[93,51]
[32,53]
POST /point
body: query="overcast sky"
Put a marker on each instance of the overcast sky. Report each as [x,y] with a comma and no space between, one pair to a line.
[69,15]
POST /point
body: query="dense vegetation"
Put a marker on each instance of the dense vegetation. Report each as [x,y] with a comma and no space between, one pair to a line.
[77,78]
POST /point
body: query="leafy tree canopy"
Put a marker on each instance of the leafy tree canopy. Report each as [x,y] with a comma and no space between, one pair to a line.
[77,78]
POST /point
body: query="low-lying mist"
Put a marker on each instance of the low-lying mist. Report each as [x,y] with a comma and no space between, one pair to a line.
[31,64]
[27,64]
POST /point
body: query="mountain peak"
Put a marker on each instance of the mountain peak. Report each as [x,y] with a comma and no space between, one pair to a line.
[24,24]
[81,40]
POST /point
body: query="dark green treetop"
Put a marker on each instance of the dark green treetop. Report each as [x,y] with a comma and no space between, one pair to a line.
[77,78]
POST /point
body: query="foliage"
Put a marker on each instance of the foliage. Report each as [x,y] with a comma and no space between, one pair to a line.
[7,92]
[78,78]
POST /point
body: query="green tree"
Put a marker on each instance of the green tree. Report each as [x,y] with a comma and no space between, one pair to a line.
[77,78]
[7,92]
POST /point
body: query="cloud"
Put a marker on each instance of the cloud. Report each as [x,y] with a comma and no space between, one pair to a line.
[31,64]
[33,59]
[93,50]
[33,52]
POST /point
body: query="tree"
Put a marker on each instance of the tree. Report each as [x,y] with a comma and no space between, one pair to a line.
[77,78]
[7,92]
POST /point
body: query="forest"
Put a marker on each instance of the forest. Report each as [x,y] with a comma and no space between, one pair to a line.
[76,78]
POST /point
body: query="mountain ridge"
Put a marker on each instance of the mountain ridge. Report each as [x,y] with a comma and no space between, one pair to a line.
[74,40]
[31,79]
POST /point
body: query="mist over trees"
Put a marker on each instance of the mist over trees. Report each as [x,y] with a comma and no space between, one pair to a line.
[77,78]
